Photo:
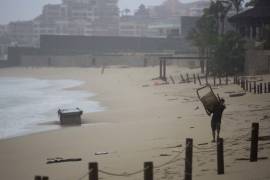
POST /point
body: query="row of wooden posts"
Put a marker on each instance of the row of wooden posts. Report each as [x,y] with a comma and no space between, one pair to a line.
[253,86]
[195,77]
[149,167]
[250,86]
[162,75]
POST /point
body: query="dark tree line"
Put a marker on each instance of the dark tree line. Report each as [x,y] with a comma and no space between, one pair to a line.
[225,50]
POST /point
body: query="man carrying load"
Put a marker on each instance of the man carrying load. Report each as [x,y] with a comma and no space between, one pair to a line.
[213,105]
[216,118]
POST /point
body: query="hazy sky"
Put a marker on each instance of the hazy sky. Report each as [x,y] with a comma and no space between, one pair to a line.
[12,10]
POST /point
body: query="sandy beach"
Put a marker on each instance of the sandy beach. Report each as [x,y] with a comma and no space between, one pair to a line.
[143,121]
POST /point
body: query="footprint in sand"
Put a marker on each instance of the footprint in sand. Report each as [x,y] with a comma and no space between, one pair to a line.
[205,170]
[229,154]
[201,164]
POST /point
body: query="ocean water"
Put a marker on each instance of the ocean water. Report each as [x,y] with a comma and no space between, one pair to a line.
[30,105]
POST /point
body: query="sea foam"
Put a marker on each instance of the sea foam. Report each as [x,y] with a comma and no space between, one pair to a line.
[26,103]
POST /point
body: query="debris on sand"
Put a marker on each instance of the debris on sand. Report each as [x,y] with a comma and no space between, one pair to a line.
[61,160]
[101,153]
[165,155]
[237,94]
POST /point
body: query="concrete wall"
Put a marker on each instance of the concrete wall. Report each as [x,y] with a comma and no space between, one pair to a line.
[257,62]
[79,50]
[86,60]
[133,59]
[15,54]
[108,44]
[4,63]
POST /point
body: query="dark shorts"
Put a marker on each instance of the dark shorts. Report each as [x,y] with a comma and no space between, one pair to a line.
[215,125]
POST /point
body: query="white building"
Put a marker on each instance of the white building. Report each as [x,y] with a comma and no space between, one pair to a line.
[78,17]
[133,27]
[21,33]
[3,29]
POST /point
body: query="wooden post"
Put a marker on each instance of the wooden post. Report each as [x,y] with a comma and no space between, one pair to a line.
[254,142]
[265,88]
[164,70]
[194,78]
[261,88]
[93,171]
[199,79]
[172,79]
[258,89]
[242,84]
[214,80]
[254,87]
[148,171]
[93,61]
[250,89]
[239,80]
[160,68]
[220,156]
[268,87]
[38,178]
[45,178]
[182,78]
[188,159]
[187,77]
[246,85]
[145,62]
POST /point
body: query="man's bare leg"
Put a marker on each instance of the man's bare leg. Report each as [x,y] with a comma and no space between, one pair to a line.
[218,130]
[214,135]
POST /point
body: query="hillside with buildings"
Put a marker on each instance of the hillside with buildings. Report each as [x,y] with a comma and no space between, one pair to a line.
[99,18]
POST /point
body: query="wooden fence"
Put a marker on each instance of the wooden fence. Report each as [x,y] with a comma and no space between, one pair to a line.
[148,167]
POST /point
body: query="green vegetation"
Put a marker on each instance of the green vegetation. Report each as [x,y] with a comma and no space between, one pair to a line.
[228,54]
[225,51]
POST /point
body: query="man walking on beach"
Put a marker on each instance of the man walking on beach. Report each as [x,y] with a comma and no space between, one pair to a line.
[216,118]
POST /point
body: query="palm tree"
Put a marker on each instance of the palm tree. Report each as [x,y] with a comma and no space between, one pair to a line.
[126,12]
[204,36]
[224,8]
[219,9]
[142,11]
[251,3]
[237,5]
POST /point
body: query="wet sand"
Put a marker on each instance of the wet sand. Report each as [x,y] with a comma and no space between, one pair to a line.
[143,121]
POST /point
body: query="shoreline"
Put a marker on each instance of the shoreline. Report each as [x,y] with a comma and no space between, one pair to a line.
[43,118]
[142,123]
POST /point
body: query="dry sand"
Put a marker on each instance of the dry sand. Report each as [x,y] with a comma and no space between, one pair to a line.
[143,121]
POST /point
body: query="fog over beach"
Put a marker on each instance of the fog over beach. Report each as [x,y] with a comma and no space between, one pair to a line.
[143,121]
[134,89]
[21,11]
